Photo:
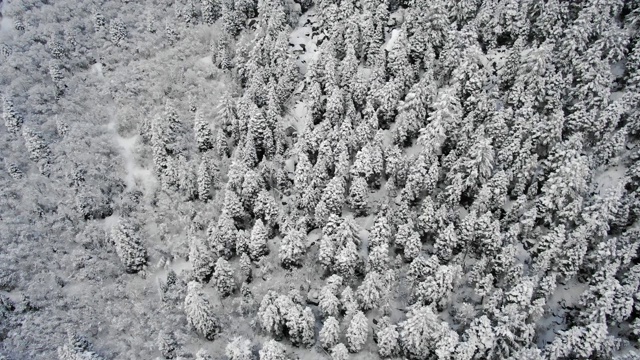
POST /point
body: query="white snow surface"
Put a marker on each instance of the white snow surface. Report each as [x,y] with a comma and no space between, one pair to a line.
[395,33]
[134,172]
[609,179]
[97,70]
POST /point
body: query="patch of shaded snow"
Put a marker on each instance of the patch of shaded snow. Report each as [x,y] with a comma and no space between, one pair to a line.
[609,178]
[134,172]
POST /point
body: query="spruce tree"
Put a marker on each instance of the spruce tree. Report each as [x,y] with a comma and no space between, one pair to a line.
[357,332]
[167,344]
[246,269]
[292,248]
[379,258]
[339,352]
[388,341]
[12,119]
[273,350]
[36,146]
[117,31]
[223,277]
[330,333]
[419,332]
[347,259]
[370,291]
[199,311]
[239,349]
[232,205]
[204,179]
[349,304]
[201,258]
[358,194]
[210,11]
[129,246]
[265,207]
[203,134]
[258,242]
[446,242]
[329,303]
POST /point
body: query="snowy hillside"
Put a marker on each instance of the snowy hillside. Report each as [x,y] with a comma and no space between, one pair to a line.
[281,180]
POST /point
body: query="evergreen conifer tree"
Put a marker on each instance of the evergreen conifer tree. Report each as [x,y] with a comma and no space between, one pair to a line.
[129,246]
[200,314]
[357,332]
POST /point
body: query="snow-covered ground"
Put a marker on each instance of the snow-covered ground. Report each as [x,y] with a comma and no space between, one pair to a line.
[304,41]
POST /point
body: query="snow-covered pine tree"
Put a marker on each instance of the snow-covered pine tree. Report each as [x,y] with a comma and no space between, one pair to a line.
[419,332]
[370,291]
[330,333]
[57,76]
[167,344]
[249,151]
[186,176]
[62,128]
[349,304]
[245,267]
[129,247]
[339,352]
[445,243]
[308,320]
[357,332]
[347,259]
[299,321]
[358,194]
[380,232]
[327,252]
[5,51]
[399,65]
[258,242]
[265,207]
[205,180]
[203,134]
[117,32]
[273,350]
[12,119]
[13,170]
[427,219]
[269,315]
[210,10]
[201,258]
[66,352]
[36,146]
[252,185]
[379,258]
[409,240]
[200,313]
[329,303]
[388,340]
[332,200]
[292,248]
[412,246]
[223,236]
[99,21]
[239,349]
[232,205]
[223,277]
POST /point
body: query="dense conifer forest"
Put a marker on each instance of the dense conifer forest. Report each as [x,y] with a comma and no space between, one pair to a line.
[320,179]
